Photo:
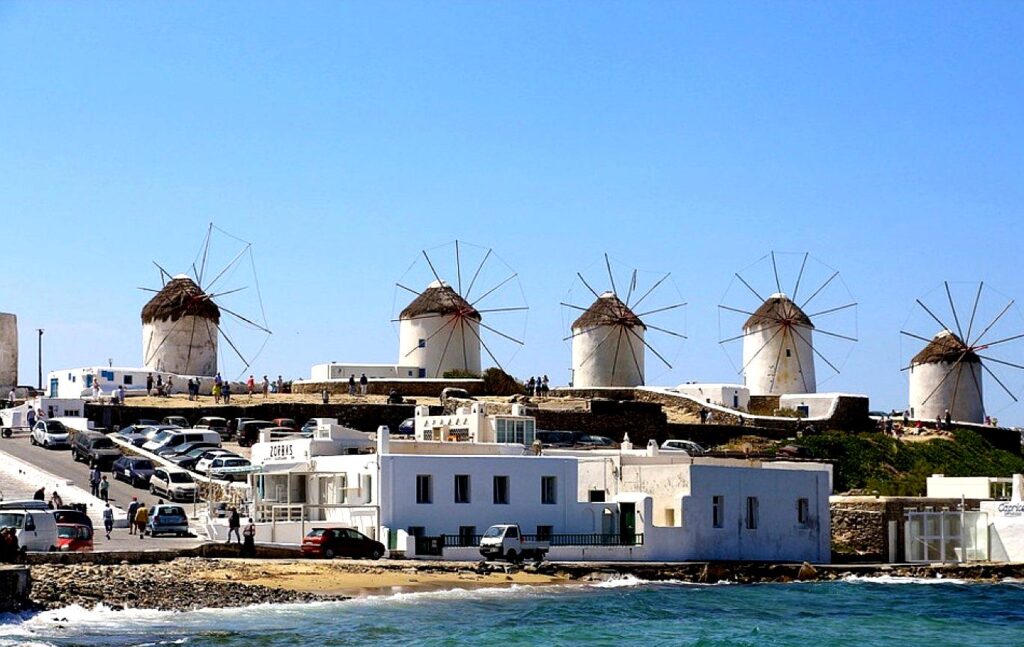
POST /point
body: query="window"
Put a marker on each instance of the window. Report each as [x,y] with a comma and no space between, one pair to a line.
[596,496]
[467,536]
[751,513]
[416,531]
[501,490]
[422,343]
[789,353]
[718,511]
[803,511]
[512,430]
[424,489]
[548,490]
[544,533]
[127,379]
[462,488]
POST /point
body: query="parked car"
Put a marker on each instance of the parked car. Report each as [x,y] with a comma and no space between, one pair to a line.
[506,540]
[686,446]
[151,431]
[249,431]
[50,434]
[187,460]
[224,468]
[72,516]
[408,427]
[174,483]
[184,448]
[177,421]
[214,423]
[74,538]
[286,422]
[36,530]
[167,520]
[340,542]
[234,424]
[146,422]
[555,438]
[133,435]
[177,437]
[588,440]
[133,469]
[94,448]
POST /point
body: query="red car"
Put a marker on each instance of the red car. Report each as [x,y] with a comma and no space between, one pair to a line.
[340,542]
[74,538]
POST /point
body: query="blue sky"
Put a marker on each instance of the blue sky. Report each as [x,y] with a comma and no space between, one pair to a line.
[341,139]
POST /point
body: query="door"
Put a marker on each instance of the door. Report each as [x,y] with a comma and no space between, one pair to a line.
[627,523]
[53,387]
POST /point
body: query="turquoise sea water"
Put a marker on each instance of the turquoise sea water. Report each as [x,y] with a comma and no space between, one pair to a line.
[859,613]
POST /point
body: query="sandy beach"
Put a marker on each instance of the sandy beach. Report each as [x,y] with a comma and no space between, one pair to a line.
[354,578]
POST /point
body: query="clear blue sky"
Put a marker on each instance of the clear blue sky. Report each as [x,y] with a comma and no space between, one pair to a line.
[885,138]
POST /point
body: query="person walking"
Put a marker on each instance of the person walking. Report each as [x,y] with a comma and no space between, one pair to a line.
[352,384]
[266,387]
[105,489]
[159,384]
[108,520]
[31,417]
[170,386]
[133,507]
[280,384]
[94,481]
[249,535]
[234,526]
[120,395]
[226,392]
[141,518]
[216,393]
[948,420]
[149,384]
[363,383]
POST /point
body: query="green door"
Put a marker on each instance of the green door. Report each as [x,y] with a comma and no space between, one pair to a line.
[627,523]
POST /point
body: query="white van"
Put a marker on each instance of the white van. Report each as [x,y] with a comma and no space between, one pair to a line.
[176,437]
[36,529]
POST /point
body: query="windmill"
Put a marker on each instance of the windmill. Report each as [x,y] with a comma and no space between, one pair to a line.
[458,313]
[185,319]
[946,374]
[609,336]
[779,344]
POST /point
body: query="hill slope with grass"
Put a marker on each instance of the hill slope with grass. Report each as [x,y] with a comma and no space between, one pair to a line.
[870,462]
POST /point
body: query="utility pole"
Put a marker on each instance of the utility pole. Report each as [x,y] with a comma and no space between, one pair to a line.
[40,358]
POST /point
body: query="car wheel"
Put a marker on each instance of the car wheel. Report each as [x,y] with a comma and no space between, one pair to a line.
[376,553]
[328,553]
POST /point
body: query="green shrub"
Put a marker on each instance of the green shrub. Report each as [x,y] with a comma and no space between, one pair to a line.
[460,373]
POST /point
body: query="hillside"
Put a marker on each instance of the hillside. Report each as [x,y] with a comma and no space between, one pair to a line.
[869,462]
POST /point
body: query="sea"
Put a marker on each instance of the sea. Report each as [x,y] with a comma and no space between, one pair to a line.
[627,611]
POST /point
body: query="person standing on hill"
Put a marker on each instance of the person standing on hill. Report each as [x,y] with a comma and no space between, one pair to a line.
[363,383]
[250,385]
[40,494]
[266,387]
[149,384]
[352,384]
[226,392]
[949,420]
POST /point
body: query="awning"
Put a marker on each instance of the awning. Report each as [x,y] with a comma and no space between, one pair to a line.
[282,468]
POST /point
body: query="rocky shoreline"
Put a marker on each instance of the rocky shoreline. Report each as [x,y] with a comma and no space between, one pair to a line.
[185,583]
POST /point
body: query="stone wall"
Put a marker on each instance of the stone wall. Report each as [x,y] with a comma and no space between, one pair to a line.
[608,393]
[763,405]
[364,417]
[609,418]
[407,388]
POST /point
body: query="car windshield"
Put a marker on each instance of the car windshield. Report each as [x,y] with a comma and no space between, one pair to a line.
[494,532]
[172,511]
[160,436]
[143,464]
[180,477]
[55,426]
[236,462]
[103,443]
[317,532]
[11,520]
[68,532]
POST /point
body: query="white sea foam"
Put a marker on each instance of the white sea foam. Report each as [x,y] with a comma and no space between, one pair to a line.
[893,579]
[620,582]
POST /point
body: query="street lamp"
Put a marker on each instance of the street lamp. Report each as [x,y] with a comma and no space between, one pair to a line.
[40,330]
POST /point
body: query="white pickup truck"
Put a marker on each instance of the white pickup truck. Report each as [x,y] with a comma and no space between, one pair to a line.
[506,541]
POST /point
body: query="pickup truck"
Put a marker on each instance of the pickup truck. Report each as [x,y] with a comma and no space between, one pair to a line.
[506,541]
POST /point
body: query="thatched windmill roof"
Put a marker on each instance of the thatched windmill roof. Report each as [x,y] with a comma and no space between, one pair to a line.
[439,299]
[181,297]
[608,310]
[945,347]
[778,308]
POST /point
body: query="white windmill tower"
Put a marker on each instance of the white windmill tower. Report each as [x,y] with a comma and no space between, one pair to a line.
[443,329]
[8,352]
[946,375]
[184,321]
[778,336]
[608,338]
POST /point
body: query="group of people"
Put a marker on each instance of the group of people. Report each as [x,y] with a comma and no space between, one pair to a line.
[235,528]
[159,387]
[98,484]
[250,386]
[364,383]
[537,386]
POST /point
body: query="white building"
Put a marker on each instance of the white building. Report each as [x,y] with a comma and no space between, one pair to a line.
[466,472]
[8,352]
[333,371]
[946,376]
[732,396]
[607,345]
[438,332]
[777,349]
[78,382]
[180,330]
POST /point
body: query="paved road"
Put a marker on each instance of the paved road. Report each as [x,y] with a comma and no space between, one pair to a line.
[60,463]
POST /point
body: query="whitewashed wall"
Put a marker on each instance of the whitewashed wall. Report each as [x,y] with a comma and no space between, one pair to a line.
[925,379]
[8,352]
[166,346]
[769,370]
[607,356]
[429,358]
